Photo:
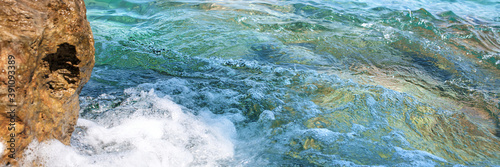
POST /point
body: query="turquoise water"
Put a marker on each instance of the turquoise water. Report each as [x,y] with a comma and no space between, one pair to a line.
[289,83]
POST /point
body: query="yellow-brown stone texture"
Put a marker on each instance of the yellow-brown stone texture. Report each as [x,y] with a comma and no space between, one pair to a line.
[46,56]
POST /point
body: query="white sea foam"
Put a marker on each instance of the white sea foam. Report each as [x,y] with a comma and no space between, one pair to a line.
[2,147]
[143,138]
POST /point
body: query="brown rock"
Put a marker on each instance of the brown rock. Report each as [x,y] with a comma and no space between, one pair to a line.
[50,45]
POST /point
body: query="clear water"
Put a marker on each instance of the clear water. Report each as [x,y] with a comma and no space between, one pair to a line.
[289,83]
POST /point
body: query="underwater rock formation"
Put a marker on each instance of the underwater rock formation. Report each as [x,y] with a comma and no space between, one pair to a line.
[47,55]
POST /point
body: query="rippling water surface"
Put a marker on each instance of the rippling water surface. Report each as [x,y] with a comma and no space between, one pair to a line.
[289,83]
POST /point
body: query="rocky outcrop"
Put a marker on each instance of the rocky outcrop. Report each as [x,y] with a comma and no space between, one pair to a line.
[46,56]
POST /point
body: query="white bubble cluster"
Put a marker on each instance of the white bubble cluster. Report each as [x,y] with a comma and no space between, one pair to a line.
[176,138]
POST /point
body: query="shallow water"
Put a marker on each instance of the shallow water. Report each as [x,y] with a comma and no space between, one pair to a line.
[289,83]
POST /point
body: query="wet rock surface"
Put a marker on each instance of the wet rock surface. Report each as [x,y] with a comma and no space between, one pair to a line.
[47,55]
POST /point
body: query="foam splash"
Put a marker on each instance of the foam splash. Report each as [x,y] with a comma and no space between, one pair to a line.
[2,147]
[156,133]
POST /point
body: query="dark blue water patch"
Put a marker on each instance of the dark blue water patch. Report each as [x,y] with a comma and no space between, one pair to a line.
[265,52]
[381,8]
[428,64]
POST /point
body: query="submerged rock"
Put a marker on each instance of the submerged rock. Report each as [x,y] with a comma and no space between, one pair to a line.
[47,55]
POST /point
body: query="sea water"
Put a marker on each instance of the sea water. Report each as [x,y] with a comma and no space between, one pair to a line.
[288,83]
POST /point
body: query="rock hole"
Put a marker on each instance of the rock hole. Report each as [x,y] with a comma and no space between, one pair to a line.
[64,62]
